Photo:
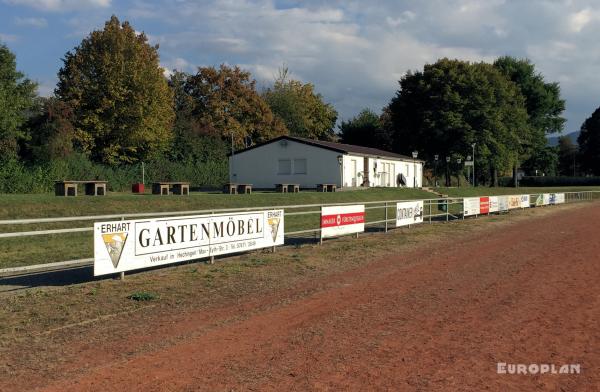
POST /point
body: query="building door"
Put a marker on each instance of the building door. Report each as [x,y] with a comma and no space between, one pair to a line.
[353,172]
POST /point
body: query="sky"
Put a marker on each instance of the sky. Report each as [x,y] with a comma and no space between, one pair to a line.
[354,52]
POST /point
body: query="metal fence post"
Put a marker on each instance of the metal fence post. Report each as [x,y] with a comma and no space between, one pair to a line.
[386,217]
[447,210]
[429,211]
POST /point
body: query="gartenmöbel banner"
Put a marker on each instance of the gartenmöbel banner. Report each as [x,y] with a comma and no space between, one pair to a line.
[128,245]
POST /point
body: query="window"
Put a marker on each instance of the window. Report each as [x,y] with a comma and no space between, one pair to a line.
[284,166]
[299,166]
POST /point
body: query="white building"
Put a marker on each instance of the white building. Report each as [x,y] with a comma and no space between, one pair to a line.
[295,160]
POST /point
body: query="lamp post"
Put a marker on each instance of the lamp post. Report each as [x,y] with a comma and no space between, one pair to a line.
[447,171]
[458,160]
[435,159]
[340,161]
[414,155]
[468,162]
[473,145]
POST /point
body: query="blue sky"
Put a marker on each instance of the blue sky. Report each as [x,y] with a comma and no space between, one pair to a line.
[353,51]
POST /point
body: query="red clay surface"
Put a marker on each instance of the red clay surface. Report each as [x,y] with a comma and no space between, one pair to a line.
[432,319]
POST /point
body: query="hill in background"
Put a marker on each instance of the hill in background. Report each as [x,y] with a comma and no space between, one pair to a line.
[553,140]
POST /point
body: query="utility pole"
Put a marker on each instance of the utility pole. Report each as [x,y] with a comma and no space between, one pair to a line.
[447,171]
[473,145]
[435,157]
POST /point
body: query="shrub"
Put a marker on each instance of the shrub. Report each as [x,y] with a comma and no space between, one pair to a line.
[16,177]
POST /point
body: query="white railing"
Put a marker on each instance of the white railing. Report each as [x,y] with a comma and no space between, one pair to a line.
[439,209]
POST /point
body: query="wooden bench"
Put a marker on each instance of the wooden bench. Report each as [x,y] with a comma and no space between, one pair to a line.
[326,187]
[230,188]
[69,187]
[244,188]
[287,188]
[170,187]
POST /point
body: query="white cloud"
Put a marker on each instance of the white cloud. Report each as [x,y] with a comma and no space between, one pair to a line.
[32,22]
[8,38]
[579,20]
[60,5]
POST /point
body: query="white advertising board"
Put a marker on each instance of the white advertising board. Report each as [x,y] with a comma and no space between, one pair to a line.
[514,201]
[341,220]
[409,212]
[560,198]
[494,204]
[128,245]
[470,206]
[525,201]
[502,203]
[546,199]
[539,200]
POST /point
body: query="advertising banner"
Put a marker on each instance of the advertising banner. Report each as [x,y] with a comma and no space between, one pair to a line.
[494,206]
[484,205]
[546,199]
[514,201]
[409,212]
[471,206]
[128,245]
[340,220]
[539,200]
[525,201]
[502,203]
[560,198]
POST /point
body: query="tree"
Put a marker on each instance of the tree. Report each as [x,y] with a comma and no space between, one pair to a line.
[542,101]
[542,162]
[223,103]
[567,156]
[50,133]
[589,144]
[303,111]
[122,104]
[17,95]
[451,104]
[366,129]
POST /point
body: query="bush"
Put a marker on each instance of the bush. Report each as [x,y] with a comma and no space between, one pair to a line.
[16,177]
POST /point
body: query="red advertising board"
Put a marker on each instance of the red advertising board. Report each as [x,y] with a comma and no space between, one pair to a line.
[342,219]
[484,205]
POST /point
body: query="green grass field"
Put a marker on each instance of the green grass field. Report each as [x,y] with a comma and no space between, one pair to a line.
[41,249]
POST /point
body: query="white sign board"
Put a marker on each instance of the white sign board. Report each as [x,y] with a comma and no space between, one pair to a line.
[409,212]
[502,203]
[494,204]
[539,200]
[525,201]
[341,220]
[470,206]
[514,201]
[546,199]
[560,198]
[128,245]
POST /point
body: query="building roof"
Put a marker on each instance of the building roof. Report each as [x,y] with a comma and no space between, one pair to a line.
[338,147]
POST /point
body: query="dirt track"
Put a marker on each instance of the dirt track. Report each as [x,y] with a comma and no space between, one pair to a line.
[431,319]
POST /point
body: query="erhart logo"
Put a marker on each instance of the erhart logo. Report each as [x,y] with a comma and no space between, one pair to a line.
[273,219]
[537,368]
[114,236]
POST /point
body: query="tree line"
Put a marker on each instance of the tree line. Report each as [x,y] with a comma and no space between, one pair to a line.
[113,106]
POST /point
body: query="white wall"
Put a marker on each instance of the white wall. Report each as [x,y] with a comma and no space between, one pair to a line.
[259,166]
[387,171]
